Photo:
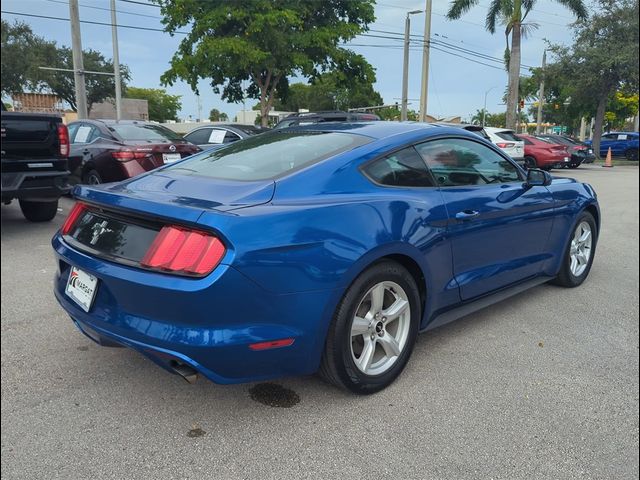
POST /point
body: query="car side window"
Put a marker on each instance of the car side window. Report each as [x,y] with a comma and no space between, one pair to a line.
[457,161]
[83,133]
[199,137]
[609,136]
[403,168]
[623,136]
[72,131]
[230,137]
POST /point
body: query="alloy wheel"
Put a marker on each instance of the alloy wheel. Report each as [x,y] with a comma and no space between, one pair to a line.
[580,250]
[380,328]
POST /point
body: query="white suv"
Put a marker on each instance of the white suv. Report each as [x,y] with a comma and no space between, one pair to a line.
[507,141]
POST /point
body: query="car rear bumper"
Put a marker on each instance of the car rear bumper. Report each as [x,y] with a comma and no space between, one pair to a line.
[35,185]
[207,323]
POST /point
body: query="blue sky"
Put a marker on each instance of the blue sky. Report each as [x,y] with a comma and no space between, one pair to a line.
[456,86]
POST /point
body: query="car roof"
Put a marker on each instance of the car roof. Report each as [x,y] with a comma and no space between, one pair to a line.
[375,129]
[498,129]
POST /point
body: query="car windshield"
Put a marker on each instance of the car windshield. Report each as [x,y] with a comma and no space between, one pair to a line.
[556,140]
[270,155]
[508,135]
[248,129]
[141,131]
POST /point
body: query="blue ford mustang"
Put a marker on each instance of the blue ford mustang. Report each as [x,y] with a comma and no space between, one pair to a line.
[321,248]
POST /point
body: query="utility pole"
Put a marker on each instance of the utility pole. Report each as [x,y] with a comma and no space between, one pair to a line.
[116,61]
[541,93]
[424,89]
[405,66]
[199,103]
[78,65]
[484,109]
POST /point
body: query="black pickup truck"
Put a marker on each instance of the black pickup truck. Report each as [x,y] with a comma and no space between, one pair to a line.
[35,151]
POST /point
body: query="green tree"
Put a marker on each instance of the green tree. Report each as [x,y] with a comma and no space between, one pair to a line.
[22,54]
[602,61]
[621,107]
[99,87]
[263,43]
[327,93]
[216,115]
[512,14]
[490,119]
[162,106]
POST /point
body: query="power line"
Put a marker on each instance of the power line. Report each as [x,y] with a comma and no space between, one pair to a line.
[63,2]
[444,45]
[455,47]
[133,27]
[142,3]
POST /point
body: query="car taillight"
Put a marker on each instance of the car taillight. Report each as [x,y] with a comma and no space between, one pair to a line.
[63,140]
[74,215]
[179,250]
[126,155]
[505,145]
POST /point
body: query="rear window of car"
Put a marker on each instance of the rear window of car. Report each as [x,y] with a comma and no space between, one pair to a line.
[270,155]
[131,131]
[508,135]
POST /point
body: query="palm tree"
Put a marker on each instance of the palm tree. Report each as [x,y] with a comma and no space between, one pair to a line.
[512,14]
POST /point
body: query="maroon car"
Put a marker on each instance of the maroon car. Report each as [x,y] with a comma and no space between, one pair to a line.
[544,154]
[109,151]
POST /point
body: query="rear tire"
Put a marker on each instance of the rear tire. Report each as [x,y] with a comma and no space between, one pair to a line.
[578,256]
[632,154]
[373,331]
[91,177]
[39,211]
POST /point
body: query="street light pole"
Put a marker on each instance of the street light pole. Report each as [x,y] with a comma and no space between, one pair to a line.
[541,94]
[78,65]
[405,66]
[484,109]
[424,89]
[116,61]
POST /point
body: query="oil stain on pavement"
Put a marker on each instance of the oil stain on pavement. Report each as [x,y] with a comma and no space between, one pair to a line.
[274,395]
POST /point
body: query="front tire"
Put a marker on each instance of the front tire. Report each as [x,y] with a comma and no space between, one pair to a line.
[373,330]
[530,162]
[39,211]
[632,154]
[578,256]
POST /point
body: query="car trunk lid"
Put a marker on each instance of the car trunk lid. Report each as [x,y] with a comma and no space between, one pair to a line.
[160,153]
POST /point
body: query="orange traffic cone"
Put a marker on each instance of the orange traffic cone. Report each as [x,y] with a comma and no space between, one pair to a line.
[607,161]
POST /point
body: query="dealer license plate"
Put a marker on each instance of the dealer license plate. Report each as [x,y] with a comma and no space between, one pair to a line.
[81,288]
[171,157]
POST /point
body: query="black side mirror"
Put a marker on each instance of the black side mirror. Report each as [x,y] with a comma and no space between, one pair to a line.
[538,178]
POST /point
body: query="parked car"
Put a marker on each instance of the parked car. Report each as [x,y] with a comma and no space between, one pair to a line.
[218,135]
[35,151]
[309,118]
[622,144]
[544,154]
[322,248]
[580,151]
[109,151]
[477,129]
[506,140]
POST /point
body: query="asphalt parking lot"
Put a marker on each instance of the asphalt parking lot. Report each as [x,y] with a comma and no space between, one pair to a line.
[543,385]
